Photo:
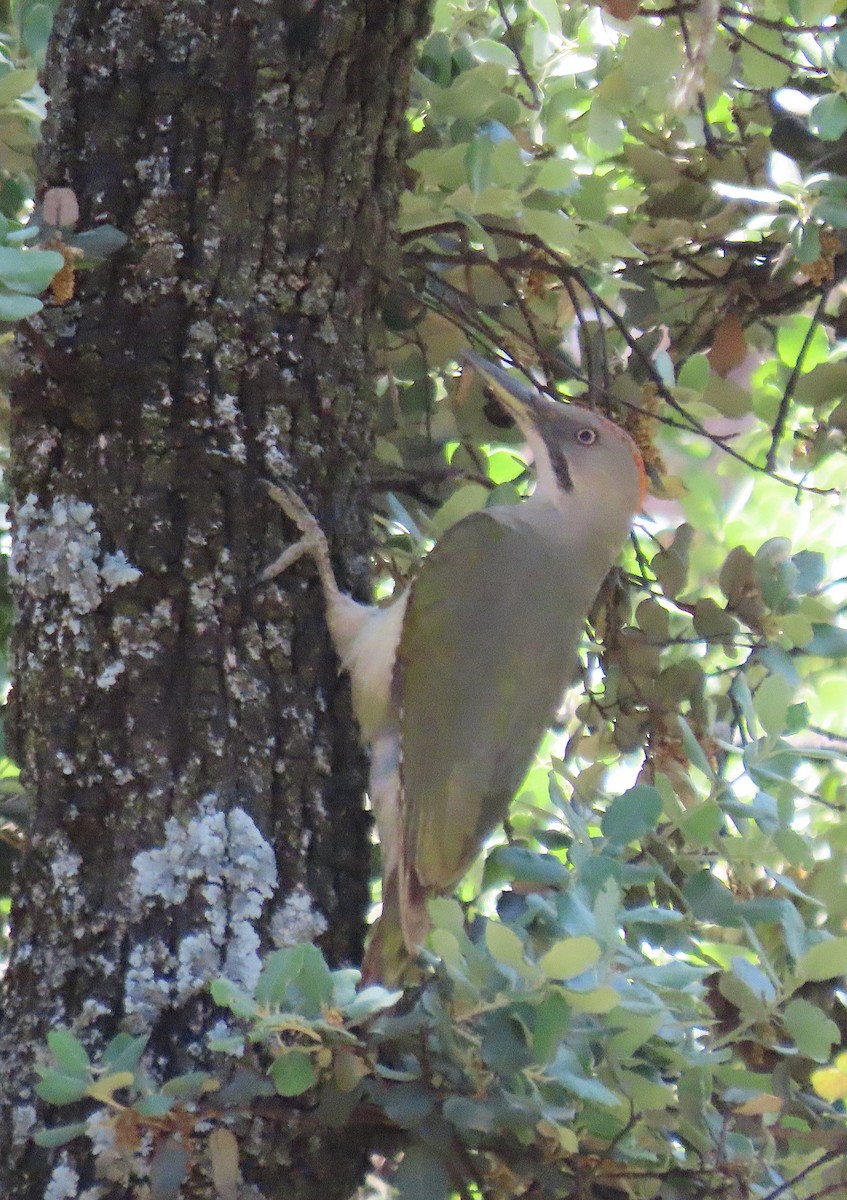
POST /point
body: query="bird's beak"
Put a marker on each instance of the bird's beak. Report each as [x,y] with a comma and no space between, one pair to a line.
[527,406]
[521,402]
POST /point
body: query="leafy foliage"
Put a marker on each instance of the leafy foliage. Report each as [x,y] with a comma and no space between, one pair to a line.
[543,1048]
[644,207]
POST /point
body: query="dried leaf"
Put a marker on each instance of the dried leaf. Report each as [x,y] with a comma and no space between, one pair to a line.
[223,1151]
[60,207]
[729,345]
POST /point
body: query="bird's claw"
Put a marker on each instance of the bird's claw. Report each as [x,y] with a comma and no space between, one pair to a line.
[292,506]
[311,542]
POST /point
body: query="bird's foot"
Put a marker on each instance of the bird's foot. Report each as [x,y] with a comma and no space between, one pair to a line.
[313,542]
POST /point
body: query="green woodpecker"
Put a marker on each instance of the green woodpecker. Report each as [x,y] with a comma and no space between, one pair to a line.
[455,680]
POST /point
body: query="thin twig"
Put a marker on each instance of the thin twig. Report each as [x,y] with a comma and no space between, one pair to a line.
[826,1157]
[512,42]
[788,395]
[565,271]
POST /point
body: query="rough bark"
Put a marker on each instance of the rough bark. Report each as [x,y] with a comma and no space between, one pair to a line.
[162,699]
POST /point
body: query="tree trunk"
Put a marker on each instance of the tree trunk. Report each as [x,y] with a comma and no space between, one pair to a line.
[182,731]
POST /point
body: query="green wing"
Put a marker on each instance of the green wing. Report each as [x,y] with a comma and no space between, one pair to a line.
[488,646]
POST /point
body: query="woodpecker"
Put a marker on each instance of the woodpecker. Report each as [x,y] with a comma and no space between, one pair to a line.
[455,680]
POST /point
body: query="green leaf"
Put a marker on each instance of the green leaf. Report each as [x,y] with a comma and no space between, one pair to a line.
[124,1052]
[710,900]
[828,641]
[28,271]
[192,1085]
[693,749]
[702,823]
[168,1170]
[279,971]
[653,619]
[313,985]
[772,701]
[504,1046]
[476,1115]
[595,1000]
[630,816]
[763,59]
[70,1054]
[555,175]
[712,621]
[35,28]
[368,1001]
[97,244]
[233,1044]
[15,83]
[56,1088]
[564,1069]
[671,566]
[647,1095]
[421,1176]
[478,162]
[828,118]
[446,913]
[548,11]
[826,960]
[813,1032]
[652,52]
[694,373]
[570,957]
[293,1073]
[17,308]
[408,1104]
[524,866]
[811,570]
[227,995]
[792,336]
[505,946]
[461,503]
[554,228]
[59,1135]
[553,1018]
[479,233]
[648,915]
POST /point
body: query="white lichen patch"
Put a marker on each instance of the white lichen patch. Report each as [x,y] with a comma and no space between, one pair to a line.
[229,423]
[221,860]
[148,986]
[109,674]
[204,611]
[273,436]
[63,1184]
[117,571]
[65,864]
[23,1122]
[297,920]
[56,552]
[114,1161]
[141,635]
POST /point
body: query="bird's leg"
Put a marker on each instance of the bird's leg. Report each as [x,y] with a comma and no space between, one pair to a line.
[345,615]
[312,541]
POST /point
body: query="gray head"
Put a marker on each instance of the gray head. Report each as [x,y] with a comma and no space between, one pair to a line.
[581,458]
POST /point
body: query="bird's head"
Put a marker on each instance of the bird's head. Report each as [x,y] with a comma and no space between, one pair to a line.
[580,457]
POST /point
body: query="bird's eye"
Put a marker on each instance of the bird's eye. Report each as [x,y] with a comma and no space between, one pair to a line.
[587,437]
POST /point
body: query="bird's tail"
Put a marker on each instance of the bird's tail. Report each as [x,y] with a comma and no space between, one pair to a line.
[401,929]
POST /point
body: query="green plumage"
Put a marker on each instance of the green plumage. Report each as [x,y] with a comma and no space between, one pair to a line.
[480,670]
